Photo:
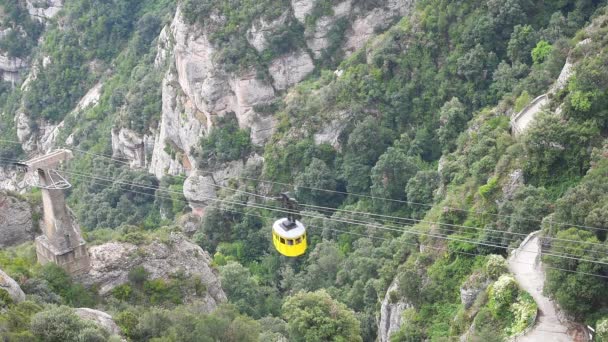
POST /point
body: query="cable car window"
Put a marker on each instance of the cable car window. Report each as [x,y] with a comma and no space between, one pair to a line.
[298,241]
[290,242]
[282,241]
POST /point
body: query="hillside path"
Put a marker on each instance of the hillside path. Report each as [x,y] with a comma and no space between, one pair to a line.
[530,276]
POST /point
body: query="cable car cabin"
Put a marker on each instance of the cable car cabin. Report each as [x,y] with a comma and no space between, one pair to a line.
[289,238]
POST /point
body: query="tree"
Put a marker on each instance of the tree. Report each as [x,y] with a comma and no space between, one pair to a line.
[390,176]
[318,176]
[577,291]
[315,316]
[542,50]
[420,189]
[244,291]
[521,44]
[365,145]
[453,119]
[61,324]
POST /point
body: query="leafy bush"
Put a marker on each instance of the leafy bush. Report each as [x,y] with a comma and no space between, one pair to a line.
[495,266]
[226,142]
[502,294]
[62,324]
[542,50]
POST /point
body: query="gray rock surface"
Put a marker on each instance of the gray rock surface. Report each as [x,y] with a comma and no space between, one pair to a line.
[378,19]
[111,263]
[16,226]
[10,285]
[391,314]
[100,318]
[290,69]
[42,10]
[514,182]
[302,8]
[11,68]
[127,144]
[200,191]
[261,29]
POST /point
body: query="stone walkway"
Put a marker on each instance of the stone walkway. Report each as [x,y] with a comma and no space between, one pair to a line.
[530,276]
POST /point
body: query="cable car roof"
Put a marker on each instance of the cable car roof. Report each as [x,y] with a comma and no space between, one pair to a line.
[293,233]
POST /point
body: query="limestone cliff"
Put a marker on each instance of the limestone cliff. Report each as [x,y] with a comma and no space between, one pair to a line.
[16,221]
[111,263]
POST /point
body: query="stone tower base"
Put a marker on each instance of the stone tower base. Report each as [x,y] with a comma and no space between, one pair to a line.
[75,260]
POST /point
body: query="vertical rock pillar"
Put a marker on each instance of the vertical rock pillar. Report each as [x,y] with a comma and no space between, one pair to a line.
[61,242]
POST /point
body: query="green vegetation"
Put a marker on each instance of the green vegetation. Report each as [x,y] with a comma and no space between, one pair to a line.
[225,143]
[424,114]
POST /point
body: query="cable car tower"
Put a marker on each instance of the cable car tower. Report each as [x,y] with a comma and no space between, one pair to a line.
[289,234]
[61,242]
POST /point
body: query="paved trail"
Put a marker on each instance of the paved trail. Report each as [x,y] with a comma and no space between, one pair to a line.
[531,278]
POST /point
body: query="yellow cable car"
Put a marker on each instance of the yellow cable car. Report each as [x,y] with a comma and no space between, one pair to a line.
[289,234]
[290,242]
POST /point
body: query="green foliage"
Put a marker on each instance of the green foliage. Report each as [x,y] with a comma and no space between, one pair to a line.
[73,294]
[542,50]
[315,316]
[502,294]
[453,118]
[225,143]
[576,292]
[22,30]
[316,176]
[558,148]
[391,174]
[495,266]
[522,101]
[62,324]
[489,188]
[244,291]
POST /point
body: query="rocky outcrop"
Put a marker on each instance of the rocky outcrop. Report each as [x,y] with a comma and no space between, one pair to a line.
[200,191]
[261,29]
[515,180]
[16,224]
[378,19]
[330,133]
[9,285]
[11,68]
[290,69]
[391,313]
[302,8]
[42,10]
[100,318]
[111,263]
[476,284]
[318,38]
[128,145]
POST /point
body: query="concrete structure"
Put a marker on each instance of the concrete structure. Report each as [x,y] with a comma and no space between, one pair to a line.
[62,242]
[521,120]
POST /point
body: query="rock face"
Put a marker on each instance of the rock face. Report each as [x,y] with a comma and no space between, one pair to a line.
[290,69]
[10,285]
[16,225]
[476,284]
[391,314]
[111,263]
[11,68]
[261,29]
[200,191]
[302,8]
[378,19]
[101,318]
[127,144]
[43,10]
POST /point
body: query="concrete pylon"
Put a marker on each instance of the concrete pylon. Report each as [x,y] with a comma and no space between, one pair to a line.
[62,242]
